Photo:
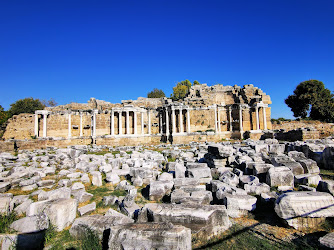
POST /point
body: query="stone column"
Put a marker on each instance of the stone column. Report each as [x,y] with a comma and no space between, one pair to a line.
[230,117]
[188,120]
[120,123]
[142,123]
[36,124]
[44,124]
[94,123]
[149,122]
[80,123]
[112,121]
[127,122]
[135,122]
[173,120]
[69,125]
[216,129]
[240,119]
[181,121]
[264,118]
[219,129]
[160,119]
[257,118]
[167,122]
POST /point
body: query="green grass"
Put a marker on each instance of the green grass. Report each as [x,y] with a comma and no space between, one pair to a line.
[63,240]
[171,159]
[327,174]
[239,237]
[6,220]
[98,153]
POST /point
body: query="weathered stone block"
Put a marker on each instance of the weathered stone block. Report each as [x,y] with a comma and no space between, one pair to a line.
[304,209]
[150,236]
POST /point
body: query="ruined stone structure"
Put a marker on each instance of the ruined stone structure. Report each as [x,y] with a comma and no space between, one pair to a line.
[219,111]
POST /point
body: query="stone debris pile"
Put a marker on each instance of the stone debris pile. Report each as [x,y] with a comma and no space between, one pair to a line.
[162,196]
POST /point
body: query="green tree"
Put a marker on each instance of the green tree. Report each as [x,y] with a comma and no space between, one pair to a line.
[156,93]
[3,115]
[49,103]
[26,105]
[196,83]
[311,97]
[181,90]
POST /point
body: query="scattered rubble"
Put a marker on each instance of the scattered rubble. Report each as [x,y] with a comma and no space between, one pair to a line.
[162,196]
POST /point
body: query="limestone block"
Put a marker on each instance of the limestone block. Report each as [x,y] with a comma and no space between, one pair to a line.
[178,196]
[87,209]
[261,148]
[111,200]
[113,178]
[31,223]
[260,170]
[276,148]
[137,181]
[150,236]
[201,197]
[280,176]
[96,178]
[74,175]
[257,189]
[22,208]
[77,187]
[105,168]
[181,182]
[46,183]
[129,209]
[295,167]
[5,205]
[326,186]
[180,170]
[27,182]
[229,178]
[165,177]
[19,199]
[98,223]
[238,205]
[216,184]
[158,189]
[299,208]
[64,183]
[59,193]
[203,220]
[85,178]
[4,186]
[310,166]
[29,188]
[327,241]
[61,212]
[198,170]
[248,179]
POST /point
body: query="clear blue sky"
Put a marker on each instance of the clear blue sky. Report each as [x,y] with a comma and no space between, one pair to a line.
[116,50]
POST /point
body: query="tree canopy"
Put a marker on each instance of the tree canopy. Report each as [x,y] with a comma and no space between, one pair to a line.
[49,103]
[26,105]
[3,115]
[156,93]
[182,88]
[313,99]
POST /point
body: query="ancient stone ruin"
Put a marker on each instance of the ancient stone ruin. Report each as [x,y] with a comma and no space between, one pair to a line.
[165,196]
[207,113]
[107,170]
